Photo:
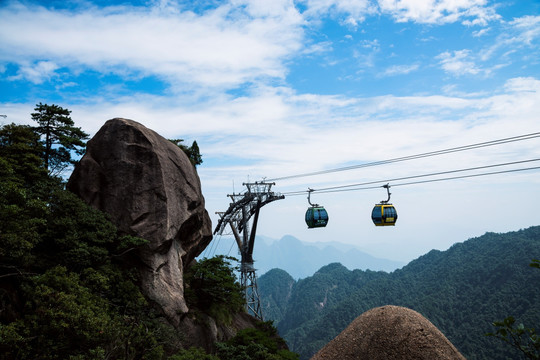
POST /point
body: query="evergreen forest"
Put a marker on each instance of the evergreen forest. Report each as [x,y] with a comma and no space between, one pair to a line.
[463,291]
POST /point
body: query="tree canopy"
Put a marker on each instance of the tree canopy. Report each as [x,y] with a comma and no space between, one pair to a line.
[192,152]
[522,338]
[59,136]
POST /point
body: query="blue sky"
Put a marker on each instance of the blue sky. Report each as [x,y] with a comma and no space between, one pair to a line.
[276,88]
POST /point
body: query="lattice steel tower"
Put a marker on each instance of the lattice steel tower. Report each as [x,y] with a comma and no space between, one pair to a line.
[243,207]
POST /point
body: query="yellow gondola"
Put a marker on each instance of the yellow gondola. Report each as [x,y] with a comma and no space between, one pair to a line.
[384,214]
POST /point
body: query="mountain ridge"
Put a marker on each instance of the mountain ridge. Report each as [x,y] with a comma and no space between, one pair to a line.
[301,259]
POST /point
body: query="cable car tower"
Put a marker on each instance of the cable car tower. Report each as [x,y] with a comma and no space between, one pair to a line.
[243,207]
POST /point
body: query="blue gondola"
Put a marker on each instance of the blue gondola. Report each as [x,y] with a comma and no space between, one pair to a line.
[316,215]
[384,214]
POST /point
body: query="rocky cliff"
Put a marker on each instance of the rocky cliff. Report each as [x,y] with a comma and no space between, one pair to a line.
[390,332]
[150,190]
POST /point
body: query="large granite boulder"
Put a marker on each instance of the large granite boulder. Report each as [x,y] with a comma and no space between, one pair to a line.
[150,190]
[390,333]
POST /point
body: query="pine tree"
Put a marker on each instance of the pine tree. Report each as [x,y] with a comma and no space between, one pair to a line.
[59,136]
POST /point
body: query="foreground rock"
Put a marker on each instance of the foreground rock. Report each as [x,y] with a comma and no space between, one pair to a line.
[390,332]
[150,190]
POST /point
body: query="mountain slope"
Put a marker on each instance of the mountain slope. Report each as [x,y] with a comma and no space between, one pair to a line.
[461,291]
[278,286]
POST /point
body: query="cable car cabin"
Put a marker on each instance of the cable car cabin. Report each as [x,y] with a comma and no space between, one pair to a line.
[316,216]
[384,215]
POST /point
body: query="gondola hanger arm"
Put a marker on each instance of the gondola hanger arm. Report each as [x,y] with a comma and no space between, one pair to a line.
[387,187]
[309,197]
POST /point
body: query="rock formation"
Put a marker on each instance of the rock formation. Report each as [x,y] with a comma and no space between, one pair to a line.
[389,332]
[150,190]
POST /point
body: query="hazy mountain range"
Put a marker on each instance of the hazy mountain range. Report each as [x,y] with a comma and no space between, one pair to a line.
[301,259]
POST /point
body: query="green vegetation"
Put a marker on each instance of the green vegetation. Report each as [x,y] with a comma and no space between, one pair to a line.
[211,286]
[58,135]
[461,291]
[260,343]
[523,339]
[277,285]
[68,286]
[192,151]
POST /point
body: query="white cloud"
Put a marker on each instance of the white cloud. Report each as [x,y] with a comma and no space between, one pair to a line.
[354,11]
[523,84]
[366,53]
[318,48]
[520,33]
[528,28]
[400,70]
[37,72]
[480,15]
[223,47]
[481,32]
[284,132]
[471,12]
[458,63]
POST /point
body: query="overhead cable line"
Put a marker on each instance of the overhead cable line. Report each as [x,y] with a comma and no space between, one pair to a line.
[469,176]
[413,157]
[361,186]
[441,179]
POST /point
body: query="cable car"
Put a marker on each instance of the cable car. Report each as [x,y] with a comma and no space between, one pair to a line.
[316,215]
[384,214]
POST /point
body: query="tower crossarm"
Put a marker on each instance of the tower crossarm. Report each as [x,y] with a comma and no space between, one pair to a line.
[258,194]
[263,201]
[233,213]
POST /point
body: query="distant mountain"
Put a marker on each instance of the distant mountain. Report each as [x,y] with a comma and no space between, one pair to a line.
[301,259]
[461,291]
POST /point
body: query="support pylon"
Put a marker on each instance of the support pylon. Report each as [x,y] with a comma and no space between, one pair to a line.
[248,280]
[243,207]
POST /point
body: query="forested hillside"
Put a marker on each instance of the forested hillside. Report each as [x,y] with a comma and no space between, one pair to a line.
[462,291]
